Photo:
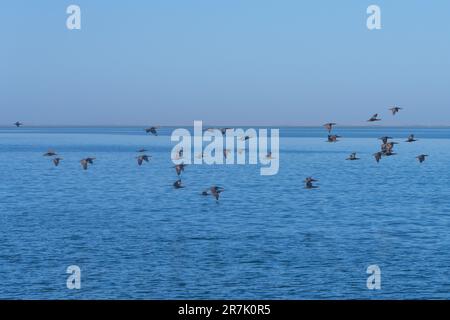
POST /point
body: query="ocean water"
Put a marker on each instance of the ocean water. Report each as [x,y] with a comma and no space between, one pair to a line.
[135,237]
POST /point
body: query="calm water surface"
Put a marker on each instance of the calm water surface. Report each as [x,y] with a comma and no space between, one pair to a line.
[134,236]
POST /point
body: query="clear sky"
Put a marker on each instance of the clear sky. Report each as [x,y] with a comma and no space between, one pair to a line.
[278,62]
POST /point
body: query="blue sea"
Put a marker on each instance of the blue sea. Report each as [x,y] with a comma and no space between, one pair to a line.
[135,237]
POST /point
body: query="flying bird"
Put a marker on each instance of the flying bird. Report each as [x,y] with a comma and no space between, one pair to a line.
[142,150]
[374,118]
[353,157]
[309,183]
[152,130]
[385,139]
[18,124]
[411,138]
[387,148]
[378,156]
[394,110]
[329,126]
[269,155]
[177,184]
[215,191]
[422,157]
[50,153]
[86,161]
[56,161]
[142,158]
[222,130]
[333,138]
[245,138]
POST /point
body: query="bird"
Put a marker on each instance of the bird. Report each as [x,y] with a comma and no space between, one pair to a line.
[178,154]
[378,156]
[177,184]
[56,161]
[353,157]
[179,168]
[394,110]
[245,138]
[411,138]
[269,155]
[215,191]
[152,130]
[309,183]
[388,147]
[422,157]
[90,160]
[86,161]
[333,138]
[222,130]
[50,153]
[142,150]
[18,124]
[142,158]
[84,164]
[374,118]
[329,126]
[385,139]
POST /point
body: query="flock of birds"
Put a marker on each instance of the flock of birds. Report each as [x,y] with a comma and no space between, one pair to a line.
[386,150]
[142,157]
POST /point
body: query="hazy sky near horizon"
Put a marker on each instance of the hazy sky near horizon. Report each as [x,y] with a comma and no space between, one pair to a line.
[231,62]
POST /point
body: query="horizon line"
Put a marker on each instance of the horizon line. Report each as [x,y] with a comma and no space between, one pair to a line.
[6,126]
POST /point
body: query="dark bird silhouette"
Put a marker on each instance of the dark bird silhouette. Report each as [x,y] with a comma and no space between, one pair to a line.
[387,148]
[152,130]
[179,168]
[394,110]
[177,184]
[18,124]
[309,183]
[329,126]
[411,138]
[422,157]
[378,156]
[245,138]
[142,158]
[374,118]
[215,191]
[222,130]
[56,161]
[333,138]
[385,139]
[50,153]
[142,150]
[353,157]
[86,162]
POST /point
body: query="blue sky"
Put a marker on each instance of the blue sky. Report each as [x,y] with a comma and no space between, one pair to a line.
[254,62]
